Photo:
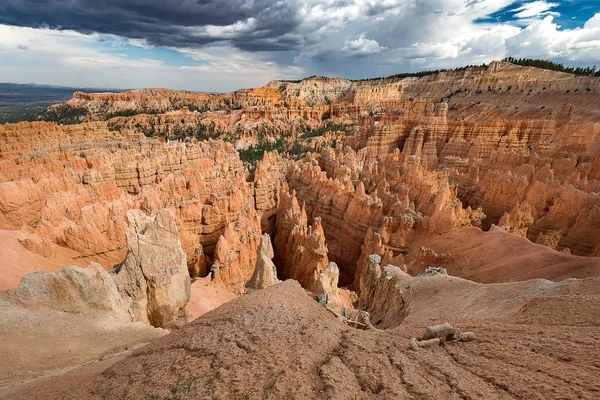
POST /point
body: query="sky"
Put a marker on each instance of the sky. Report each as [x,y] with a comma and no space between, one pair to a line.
[225,45]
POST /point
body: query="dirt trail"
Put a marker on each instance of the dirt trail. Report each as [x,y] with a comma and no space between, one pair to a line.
[43,345]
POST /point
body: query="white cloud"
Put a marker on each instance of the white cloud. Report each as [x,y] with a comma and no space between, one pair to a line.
[593,22]
[361,46]
[352,38]
[544,39]
[225,32]
[536,9]
[70,59]
[433,50]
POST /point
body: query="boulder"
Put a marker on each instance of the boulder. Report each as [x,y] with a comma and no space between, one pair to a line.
[71,289]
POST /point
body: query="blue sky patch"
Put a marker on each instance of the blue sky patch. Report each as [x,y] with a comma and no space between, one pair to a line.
[166,56]
[573,13]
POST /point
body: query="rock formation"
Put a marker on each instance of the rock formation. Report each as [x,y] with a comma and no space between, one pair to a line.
[301,251]
[384,292]
[153,279]
[71,289]
[327,283]
[85,178]
[394,162]
[236,251]
[504,135]
[151,285]
[399,202]
[265,272]
[399,189]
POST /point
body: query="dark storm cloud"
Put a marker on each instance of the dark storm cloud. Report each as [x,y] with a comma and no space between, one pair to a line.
[178,23]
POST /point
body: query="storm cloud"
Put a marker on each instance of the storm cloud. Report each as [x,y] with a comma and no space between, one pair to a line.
[257,25]
[224,44]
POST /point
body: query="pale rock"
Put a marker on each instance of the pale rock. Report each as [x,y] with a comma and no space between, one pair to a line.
[153,279]
[265,272]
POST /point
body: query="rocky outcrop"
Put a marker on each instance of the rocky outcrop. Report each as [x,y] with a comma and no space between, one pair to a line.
[265,272]
[151,285]
[327,283]
[315,90]
[549,239]
[268,176]
[72,289]
[414,158]
[360,197]
[518,220]
[236,251]
[384,292]
[301,251]
[152,101]
[153,279]
[199,265]
[78,188]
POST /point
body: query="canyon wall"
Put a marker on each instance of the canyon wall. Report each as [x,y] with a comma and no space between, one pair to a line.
[362,167]
[74,185]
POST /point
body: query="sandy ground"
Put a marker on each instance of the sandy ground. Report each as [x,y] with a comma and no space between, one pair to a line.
[16,260]
[497,256]
[278,343]
[207,296]
[37,344]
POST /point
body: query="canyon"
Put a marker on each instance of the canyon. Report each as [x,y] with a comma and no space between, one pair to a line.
[467,196]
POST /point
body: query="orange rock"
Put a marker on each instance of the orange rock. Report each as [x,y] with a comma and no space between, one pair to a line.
[301,252]
[236,252]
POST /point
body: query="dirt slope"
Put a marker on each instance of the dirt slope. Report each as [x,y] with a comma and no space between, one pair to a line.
[16,260]
[278,343]
[48,343]
[497,256]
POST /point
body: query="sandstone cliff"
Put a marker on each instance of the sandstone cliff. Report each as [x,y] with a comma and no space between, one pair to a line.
[503,145]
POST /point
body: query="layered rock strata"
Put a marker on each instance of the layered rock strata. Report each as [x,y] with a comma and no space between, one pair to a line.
[151,285]
[77,189]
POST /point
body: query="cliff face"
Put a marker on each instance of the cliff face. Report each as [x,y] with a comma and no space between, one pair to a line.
[506,134]
[164,100]
[360,198]
[74,185]
[393,162]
